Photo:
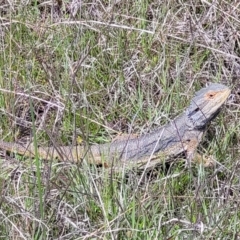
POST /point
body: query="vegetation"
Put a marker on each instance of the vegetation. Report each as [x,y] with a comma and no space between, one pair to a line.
[74,72]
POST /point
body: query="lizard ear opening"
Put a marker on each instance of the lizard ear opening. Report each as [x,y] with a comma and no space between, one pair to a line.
[193,112]
[193,116]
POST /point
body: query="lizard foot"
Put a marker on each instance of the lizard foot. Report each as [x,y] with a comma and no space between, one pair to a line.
[206,161]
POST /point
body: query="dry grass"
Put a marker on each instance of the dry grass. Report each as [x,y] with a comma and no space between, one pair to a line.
[93,69]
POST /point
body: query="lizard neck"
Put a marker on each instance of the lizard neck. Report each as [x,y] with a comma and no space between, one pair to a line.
[198,121]
[181,127]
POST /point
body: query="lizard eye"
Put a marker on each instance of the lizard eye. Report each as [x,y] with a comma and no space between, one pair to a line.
[210,95]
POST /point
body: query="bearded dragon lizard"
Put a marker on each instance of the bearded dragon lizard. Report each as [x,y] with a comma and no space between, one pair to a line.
[181,135]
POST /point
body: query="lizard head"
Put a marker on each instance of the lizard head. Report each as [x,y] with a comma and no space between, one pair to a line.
[206,105]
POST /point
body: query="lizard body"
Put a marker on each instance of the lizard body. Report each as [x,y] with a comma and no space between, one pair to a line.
[183,134]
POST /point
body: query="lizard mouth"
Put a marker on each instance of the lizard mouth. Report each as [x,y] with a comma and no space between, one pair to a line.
[225,94]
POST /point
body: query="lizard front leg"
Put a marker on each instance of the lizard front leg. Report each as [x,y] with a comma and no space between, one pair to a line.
[194,156]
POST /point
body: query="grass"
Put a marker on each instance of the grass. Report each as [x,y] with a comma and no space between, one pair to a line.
[73,72]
